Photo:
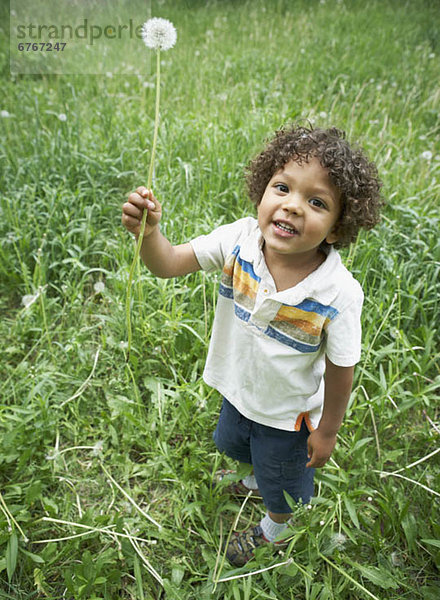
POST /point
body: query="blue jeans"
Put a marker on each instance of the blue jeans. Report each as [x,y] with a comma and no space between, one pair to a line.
[278,457]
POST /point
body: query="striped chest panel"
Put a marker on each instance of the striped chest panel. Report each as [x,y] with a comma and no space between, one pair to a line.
[302,326]
[299,326]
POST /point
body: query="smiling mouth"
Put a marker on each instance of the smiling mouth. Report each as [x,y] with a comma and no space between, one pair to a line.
[286,228]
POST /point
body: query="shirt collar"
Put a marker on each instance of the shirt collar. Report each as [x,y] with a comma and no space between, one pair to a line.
[320,284]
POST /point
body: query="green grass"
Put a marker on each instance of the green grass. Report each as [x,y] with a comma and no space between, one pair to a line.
[79,431]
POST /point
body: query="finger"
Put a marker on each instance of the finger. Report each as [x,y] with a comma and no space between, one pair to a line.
[140,202]
[309,448]
[309,454]
[142,191]
[132,211]
[130,223]
[137,200]
[153,203]
[316,462]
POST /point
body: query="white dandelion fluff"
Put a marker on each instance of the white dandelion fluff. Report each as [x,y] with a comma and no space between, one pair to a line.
[99,287]
[62,117]
[53,454]
[97,448]
[159,34]
[29,299]
[337,541]
[5,114]
[427,155]
[396,561]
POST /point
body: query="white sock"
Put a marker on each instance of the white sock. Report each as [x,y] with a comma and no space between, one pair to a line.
[271,529]
[250,482]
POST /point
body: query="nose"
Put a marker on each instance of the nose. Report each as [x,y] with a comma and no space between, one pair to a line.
[293,204]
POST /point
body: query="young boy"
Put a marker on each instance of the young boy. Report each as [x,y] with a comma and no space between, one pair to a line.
[288,312]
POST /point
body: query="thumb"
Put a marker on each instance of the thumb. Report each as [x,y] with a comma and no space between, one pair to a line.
[309,452]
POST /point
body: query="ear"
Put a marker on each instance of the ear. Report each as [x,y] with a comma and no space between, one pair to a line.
[332,236]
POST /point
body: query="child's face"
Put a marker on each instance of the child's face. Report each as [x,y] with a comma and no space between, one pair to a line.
[299,210]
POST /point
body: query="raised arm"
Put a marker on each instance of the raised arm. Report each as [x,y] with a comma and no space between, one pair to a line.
[162,258]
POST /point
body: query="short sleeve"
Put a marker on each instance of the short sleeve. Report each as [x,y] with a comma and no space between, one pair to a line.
[344,334]
[212,249]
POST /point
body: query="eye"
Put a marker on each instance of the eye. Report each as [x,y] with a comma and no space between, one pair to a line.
[317,202]
[281,187]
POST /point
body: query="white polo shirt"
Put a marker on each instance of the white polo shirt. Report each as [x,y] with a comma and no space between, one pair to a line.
[267,350]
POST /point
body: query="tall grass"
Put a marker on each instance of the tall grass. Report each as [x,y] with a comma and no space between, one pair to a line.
[100,456]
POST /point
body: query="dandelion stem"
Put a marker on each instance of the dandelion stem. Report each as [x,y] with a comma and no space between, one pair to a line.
[345,574]
[130,499]
[90,529]
[289,561]
[83,386]
[145,215]
[417,462]
[9,517]
[222,562]
[146,562]
[395,474]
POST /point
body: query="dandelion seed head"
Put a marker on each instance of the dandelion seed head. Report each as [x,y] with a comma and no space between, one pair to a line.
[97,448]
[29,299]
[5,114]
[427,155]
[62,117]
[159,34]
[338,540]
[99,287]
[52,455]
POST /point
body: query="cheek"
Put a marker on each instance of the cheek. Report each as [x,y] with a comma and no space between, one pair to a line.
[261,209]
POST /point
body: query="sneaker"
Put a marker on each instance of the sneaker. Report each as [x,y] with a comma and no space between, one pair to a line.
[242,545]
[234,488]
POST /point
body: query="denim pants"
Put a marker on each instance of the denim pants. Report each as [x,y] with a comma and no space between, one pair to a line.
[278,457]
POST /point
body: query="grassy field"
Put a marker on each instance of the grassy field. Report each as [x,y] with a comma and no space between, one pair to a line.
[105,469]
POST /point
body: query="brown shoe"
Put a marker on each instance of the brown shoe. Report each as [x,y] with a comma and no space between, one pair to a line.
[242,545]
[234,488]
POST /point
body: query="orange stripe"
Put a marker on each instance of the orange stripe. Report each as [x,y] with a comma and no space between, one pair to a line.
[291,313]
[244,283]
[306,326]
[299,420]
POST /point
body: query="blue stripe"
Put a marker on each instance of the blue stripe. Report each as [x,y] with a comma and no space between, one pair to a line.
[248,268]
[312,306]
[241,313]
[227,292]
[288,341]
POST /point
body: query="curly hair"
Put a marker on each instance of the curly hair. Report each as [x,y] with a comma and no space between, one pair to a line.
[348,168]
